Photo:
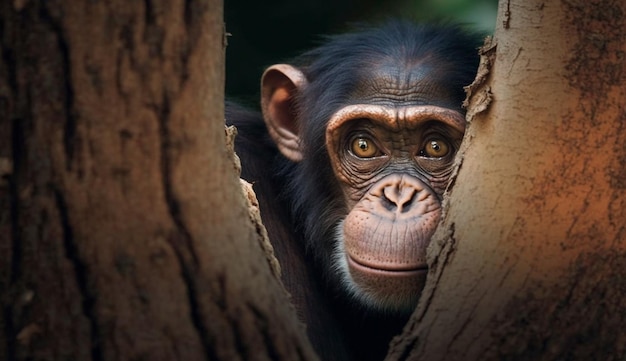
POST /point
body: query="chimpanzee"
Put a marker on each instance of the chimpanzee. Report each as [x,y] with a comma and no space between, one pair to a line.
[350,160]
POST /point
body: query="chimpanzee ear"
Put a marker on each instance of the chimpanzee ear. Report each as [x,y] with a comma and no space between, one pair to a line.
[280,85]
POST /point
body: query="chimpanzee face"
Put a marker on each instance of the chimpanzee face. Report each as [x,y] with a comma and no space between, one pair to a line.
[389,127]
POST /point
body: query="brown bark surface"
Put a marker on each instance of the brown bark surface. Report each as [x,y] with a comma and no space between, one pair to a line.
[530,260]
[124,233]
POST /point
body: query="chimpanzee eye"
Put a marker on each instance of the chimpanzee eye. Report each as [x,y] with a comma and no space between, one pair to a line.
[435,148]
[364,148]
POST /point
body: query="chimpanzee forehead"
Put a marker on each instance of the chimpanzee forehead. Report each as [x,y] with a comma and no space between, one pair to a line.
[396,82]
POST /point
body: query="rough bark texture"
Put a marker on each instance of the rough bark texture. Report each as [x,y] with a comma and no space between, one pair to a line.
[124,233]
[530,260]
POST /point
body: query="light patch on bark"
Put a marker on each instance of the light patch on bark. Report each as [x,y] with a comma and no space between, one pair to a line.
[231,133]
[479,92]
[254,210]
[477,100]
[255,217]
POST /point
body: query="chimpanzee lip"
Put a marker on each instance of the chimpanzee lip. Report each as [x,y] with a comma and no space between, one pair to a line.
[372,267]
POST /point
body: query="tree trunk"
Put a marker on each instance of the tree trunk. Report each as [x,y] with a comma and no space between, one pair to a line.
[530,260]
[124,233]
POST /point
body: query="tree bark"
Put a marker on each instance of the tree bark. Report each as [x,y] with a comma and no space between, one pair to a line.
[530,260]
[124,233]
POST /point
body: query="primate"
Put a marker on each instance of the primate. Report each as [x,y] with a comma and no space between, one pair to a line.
[350,159]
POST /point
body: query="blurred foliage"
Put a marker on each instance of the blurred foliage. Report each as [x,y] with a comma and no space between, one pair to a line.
[268,32]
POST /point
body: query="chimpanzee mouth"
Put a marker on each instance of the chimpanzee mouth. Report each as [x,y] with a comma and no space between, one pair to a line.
[388,269]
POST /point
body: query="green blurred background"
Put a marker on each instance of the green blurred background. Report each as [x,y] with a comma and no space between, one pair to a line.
[268,32]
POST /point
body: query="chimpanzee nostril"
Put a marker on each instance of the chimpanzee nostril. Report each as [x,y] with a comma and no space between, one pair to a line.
[399,197]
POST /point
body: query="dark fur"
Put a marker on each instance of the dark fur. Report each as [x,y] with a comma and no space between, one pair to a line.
[301,202]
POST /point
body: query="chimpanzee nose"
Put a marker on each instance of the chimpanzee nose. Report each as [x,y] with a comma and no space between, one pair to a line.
[399,197]
[400,192]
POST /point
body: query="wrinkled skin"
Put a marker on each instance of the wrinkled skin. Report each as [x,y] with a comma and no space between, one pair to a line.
[393,181]
[350,169]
